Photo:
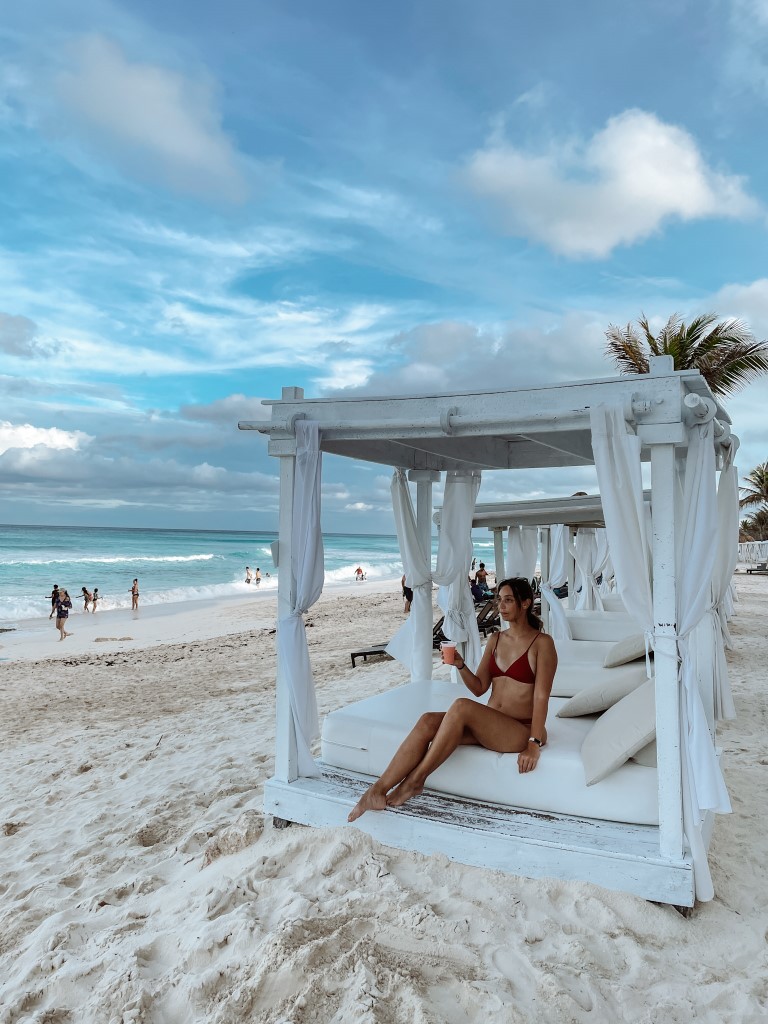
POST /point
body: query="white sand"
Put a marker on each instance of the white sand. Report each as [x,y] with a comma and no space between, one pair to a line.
[139,880]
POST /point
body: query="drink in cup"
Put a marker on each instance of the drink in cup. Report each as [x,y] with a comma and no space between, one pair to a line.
[448,648]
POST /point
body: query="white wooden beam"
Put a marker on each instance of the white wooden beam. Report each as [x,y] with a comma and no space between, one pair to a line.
[665,660]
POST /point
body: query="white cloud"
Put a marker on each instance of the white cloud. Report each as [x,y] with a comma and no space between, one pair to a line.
[24,435]
[747,302]
[342,374]
[150,120]
[359,506]
[584,198]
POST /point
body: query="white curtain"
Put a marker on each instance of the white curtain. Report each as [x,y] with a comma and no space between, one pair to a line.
[559,627]
[412,644]
[584,554]
[603,569]
[522,551]
[703,784]
[307,571]
[617,461]
[454,556]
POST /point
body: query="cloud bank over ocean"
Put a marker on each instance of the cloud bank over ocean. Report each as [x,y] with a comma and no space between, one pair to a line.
[200,208]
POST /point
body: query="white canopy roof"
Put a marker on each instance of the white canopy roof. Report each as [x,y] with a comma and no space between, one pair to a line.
[504,429]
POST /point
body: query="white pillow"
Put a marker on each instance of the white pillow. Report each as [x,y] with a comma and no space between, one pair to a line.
[618,734]
[604,694]
[646,755]
[629,649]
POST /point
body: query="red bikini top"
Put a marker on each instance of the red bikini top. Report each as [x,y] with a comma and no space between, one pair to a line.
[520,670]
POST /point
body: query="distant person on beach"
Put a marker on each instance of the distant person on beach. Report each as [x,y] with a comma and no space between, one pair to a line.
[95,598]
[248,574]
[87,598]
[54,596]
[474,563]
[63,605]
[407,596]
[512,722]
[135,596]
[359,574]
[258,576]
[481,576]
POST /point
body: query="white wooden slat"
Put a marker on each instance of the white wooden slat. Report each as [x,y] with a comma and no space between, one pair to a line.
[536,845]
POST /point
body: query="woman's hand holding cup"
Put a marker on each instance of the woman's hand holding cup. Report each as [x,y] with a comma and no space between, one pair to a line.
[448,651]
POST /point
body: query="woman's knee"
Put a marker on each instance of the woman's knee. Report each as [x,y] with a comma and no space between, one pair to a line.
[461,707]
[429,722]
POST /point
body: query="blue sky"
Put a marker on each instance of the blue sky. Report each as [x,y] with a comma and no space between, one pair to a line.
[200,204]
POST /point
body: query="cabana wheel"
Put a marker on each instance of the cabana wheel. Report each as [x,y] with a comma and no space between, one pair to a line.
[281,823]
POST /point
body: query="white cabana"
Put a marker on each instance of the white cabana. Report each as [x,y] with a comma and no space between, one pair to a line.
[541,427]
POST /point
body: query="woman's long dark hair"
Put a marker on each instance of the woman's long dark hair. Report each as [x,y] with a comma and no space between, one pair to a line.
[522,591]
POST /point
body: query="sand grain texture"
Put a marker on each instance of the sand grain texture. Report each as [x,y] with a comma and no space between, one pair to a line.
[140,881]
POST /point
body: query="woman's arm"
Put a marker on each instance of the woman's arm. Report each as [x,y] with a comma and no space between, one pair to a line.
[479,682]
[546,665]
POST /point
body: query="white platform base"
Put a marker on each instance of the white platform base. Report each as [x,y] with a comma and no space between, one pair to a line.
[529,843]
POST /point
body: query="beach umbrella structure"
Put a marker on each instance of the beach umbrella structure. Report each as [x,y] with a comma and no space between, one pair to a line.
[599,807]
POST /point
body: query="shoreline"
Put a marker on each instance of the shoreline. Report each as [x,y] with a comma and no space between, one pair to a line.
[120,629]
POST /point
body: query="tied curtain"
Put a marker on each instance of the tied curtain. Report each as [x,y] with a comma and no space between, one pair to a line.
[522,552]
[584,553]
[412,644]
[558,575]
[307,574]
[617,460]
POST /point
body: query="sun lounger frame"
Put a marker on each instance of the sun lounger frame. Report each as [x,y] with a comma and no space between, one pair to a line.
[525,428]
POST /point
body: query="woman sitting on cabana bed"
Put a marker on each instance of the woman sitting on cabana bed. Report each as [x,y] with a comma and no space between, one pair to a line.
[512,722]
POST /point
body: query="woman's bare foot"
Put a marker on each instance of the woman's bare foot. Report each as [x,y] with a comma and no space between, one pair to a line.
[371,800]
[407,789]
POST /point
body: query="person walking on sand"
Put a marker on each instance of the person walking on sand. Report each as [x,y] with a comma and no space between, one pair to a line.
[135,596]
[87,599]
[54,596]
[63,605]
[95,598]
[512,722]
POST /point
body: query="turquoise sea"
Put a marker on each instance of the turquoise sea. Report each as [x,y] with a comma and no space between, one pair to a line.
[171,565]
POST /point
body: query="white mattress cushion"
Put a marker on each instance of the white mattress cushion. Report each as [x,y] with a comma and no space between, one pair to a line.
[646,755]
[364,736]
[612,685]
[574,677]
[631,648]
[596,625]
[619,733]
[592,651]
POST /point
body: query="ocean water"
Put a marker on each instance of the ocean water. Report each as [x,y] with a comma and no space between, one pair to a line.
[171,565]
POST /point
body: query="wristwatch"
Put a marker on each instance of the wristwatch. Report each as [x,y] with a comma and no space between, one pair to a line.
[532,739]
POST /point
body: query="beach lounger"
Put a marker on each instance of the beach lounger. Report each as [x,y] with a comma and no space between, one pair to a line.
[760,569]
[368,652]
[488,618]
[437,632]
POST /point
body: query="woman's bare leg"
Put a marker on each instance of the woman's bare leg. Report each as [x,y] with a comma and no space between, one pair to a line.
[465,722]
[409,754]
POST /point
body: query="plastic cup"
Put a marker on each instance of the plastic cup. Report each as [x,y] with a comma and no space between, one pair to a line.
[448,648]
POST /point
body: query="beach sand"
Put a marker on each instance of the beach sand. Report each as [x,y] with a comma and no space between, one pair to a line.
[140,881]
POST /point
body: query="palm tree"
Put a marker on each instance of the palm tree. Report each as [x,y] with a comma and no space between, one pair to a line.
[755,487]
[727,354]
[754,527]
